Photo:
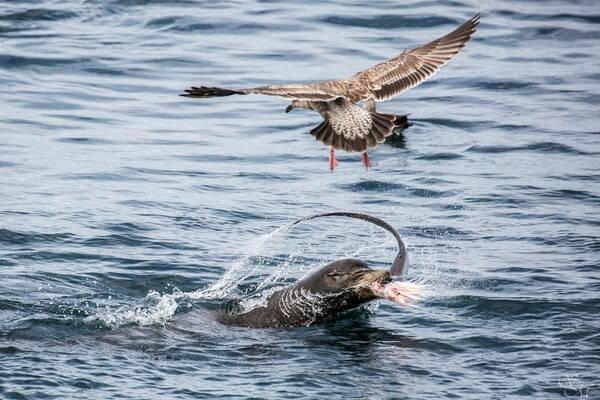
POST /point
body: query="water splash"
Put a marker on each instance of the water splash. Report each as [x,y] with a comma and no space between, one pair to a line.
[433,280]
[238,271]
[156,309]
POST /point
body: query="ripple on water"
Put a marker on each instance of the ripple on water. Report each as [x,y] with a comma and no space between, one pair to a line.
[82,140]
[8,164]
[543,147]
[439,156]
[389,21]
[179,23]
[38,14]
[21,238]
[384,187]
[455,123]
[9,61]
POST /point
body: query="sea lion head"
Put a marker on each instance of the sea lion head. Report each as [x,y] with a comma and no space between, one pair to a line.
[348,280]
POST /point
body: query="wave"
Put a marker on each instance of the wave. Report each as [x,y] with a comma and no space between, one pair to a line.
[39,14]
[381,186]
[544,147]
[390,21]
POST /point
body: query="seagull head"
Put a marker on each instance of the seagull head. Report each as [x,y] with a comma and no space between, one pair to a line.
[298,104]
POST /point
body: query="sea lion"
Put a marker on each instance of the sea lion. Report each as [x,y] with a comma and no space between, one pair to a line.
[337,287]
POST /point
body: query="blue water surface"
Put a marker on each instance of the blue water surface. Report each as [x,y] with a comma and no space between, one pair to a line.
[130,215]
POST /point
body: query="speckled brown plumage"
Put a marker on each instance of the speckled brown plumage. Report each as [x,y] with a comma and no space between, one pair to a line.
[347,126]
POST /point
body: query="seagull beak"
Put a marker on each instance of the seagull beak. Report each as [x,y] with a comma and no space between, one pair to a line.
[289,108]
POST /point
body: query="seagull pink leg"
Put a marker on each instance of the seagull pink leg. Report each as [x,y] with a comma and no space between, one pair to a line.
[366,161]
[333,162]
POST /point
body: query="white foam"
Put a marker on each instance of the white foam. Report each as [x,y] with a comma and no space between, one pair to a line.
[158,310]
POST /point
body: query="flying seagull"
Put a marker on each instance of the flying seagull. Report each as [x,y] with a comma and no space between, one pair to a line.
[346,125]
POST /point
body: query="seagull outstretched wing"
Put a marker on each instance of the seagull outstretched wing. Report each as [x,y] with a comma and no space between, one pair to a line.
[413,67]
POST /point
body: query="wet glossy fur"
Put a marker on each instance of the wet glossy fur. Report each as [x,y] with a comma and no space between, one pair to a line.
[337,287]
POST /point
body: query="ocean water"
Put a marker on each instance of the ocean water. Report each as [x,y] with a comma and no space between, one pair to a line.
[130,215]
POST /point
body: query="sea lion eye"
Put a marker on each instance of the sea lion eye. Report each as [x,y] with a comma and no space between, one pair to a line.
[335,275]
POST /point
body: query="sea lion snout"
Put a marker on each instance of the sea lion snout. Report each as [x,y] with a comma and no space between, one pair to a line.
[347,273]
[375,276]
